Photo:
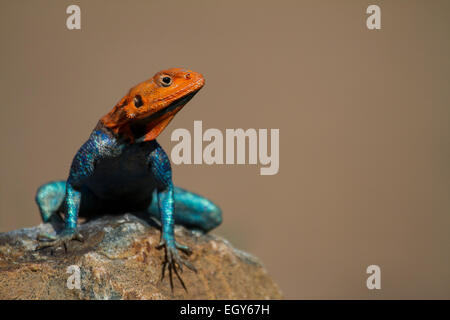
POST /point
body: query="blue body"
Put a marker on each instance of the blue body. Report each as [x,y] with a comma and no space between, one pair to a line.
[111,176]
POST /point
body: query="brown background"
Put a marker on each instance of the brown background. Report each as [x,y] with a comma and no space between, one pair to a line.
[363,118]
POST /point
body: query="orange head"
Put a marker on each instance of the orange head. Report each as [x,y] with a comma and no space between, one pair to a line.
[149,107]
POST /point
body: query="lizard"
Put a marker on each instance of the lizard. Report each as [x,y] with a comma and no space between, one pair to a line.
[122,168]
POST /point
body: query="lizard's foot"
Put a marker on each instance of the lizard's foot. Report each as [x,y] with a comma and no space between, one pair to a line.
[60,240]
[174,261]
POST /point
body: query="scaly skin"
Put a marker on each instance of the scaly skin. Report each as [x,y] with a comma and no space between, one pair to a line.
[121,168]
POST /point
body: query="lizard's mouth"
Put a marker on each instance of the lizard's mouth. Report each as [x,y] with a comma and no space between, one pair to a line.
[149,128]
[180,102]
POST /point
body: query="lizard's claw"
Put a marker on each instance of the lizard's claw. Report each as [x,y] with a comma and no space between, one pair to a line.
[174,261]
[185,249]
[60,240]
[173,258]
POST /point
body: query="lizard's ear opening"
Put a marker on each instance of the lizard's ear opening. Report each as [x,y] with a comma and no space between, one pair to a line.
[138,101]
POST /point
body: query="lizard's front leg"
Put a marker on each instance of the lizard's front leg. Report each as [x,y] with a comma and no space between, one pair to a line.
[160,167]
[83,166]
[71,206]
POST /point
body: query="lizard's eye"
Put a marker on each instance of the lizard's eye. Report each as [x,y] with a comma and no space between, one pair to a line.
[166,81]
[138,101]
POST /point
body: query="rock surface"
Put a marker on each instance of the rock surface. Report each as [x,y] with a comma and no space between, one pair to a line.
[118,260]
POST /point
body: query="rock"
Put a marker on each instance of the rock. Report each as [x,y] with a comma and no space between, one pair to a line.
[118,260]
